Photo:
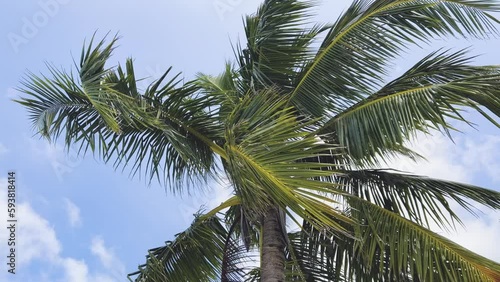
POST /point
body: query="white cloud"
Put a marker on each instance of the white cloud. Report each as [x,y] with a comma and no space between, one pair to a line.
[73,213]
[78,271]
[205,201]
[3,216]
[37,244]
[480,235]
[483,156]
[37,239]
[75,270]
[220,193]
[107,258]
[462,161]
[443,159]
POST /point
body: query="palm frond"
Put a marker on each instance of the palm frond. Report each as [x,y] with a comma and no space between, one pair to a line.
[418,198]
[325,255]
[235,257]
[387,247]
[194,255]
[426,97]
[247,230]
[277,43]
[264,144]
[206,251]
[168,129]
[294,127]
[181,148]
[101,91]
[253,275]
[223,88]
[404,247]
[353,59]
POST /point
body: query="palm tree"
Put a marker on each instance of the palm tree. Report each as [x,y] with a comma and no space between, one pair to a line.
[301,125]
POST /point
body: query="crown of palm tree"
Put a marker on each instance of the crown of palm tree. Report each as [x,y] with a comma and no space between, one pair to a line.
[299,125]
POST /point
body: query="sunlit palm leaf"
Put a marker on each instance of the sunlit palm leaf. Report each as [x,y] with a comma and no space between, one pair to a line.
[277,43]
[322,256]
[290,125]
[406,247]
[194,255]
[265,143]
[223,88]
[168,129]
[426,97]
[352,61]
[418,198]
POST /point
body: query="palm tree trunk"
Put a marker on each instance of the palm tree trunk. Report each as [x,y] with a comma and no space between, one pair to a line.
[272,263]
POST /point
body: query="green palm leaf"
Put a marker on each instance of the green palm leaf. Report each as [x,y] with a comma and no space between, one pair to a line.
[418,198]
[412,249]
[223,88]
[427,96]
[297,131]
[204,252]
[265,143]
[356,52]
[168,129]
[326,255]
[277,44]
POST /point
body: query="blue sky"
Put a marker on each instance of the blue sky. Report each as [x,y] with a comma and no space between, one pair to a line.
[79,220]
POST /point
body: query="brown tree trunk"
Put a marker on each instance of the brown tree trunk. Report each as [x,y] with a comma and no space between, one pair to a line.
[272,263]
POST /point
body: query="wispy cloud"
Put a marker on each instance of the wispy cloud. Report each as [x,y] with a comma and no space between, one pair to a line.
[479,234]
[38,243]
[37,238]
[98,249]
[483,156]
[107,258]
[442,159]
[73,213]
[62,161]
[462,161]
[218,193]
[75,270]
